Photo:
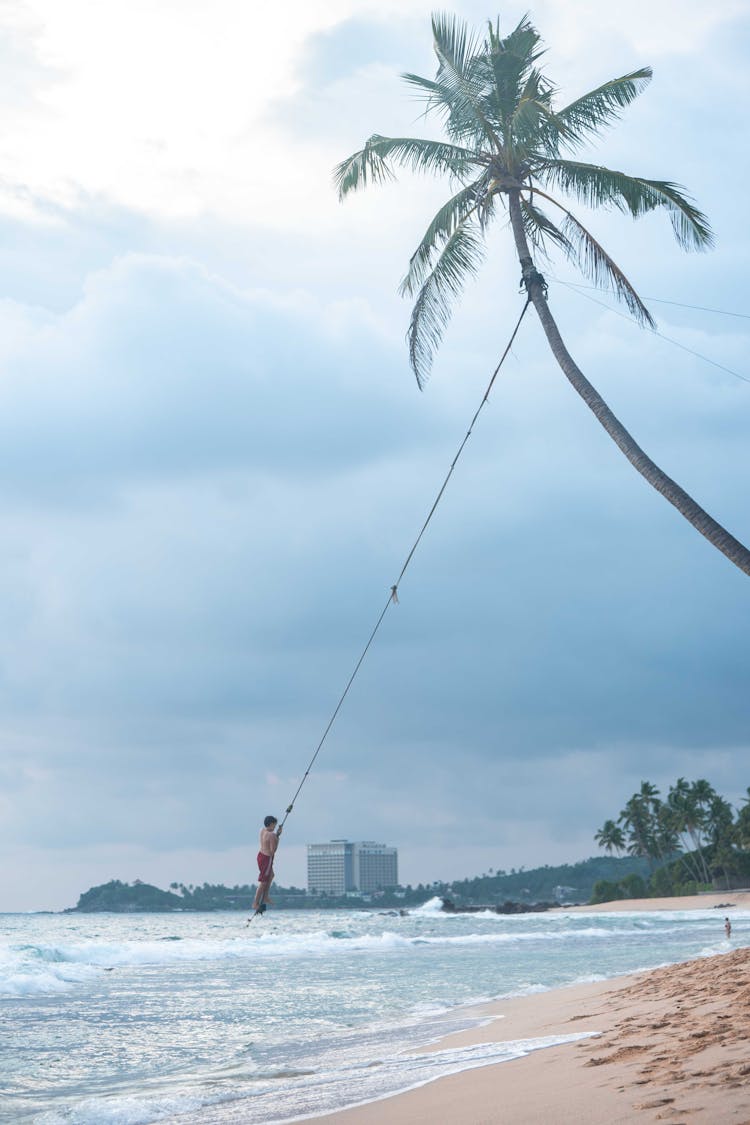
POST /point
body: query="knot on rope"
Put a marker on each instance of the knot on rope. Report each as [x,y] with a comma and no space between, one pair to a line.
[394,594]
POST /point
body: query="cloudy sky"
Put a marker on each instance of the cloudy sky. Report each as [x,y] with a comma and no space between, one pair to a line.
[214,458]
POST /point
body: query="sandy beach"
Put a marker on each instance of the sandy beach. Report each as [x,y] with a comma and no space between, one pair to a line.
[672,1044]
[737,900]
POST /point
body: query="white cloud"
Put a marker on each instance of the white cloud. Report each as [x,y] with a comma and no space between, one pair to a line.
[592,31]
[158,106]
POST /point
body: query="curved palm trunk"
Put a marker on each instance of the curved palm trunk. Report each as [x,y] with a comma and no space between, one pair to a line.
[684,503]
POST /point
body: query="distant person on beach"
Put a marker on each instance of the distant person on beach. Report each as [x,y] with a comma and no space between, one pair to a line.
[269,842]
[727,928]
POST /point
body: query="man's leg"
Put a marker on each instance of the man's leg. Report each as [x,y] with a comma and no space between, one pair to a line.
[261,888]
[265,878]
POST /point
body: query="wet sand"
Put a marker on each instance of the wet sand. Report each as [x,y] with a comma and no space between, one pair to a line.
[671,1045]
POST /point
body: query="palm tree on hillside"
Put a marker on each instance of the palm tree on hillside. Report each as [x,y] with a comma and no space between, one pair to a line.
[743,823]
[611,837]
[510,150]
[637,819]
[690,803]
[720,824]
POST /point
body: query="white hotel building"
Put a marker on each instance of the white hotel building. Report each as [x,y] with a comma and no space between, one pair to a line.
[342,865]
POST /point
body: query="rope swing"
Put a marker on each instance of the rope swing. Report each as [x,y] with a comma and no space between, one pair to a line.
[393,594]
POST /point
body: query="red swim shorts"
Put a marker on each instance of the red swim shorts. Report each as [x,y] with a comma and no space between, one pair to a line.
[265,868]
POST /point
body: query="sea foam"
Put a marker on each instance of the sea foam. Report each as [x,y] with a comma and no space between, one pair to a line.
[40,968]
[304,1095]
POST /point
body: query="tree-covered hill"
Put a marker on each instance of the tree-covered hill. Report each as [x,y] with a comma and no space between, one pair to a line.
[123,898]
[567,883]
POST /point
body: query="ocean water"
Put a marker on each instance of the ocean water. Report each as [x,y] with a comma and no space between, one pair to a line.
[202,1020]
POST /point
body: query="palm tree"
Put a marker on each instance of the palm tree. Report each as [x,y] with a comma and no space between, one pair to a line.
[667,838]
[648,794]
[662,837]
[690,803]
[743,823]
[638,821]
[610,837]
[506,150]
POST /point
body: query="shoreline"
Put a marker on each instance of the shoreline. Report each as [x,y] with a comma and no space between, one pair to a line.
[705,901]
[667,1044]
[715,900]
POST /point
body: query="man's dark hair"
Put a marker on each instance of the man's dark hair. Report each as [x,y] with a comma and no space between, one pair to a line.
[270,821]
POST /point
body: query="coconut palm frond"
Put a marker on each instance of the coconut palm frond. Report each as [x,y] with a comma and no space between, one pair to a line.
[603,106]
[597,186]
[539,227]
[360,169]
[486,208]
[453,41]
[691,227]
[438,98]
[594,261]
[460,259]
[456,211]
[531,117]
[508,62]
[523,42]
[370,164]
[535,89]
[457,112]
[419,154]
[461,75]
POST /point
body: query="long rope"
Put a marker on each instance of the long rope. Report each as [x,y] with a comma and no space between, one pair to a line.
[393,595]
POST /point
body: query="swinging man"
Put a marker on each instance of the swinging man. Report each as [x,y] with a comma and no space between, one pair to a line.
[269,842]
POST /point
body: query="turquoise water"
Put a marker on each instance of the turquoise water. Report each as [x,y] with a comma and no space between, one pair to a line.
[132,1019]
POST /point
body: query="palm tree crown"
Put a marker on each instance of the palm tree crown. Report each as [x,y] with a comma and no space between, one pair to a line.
[611,837]
[505,137]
